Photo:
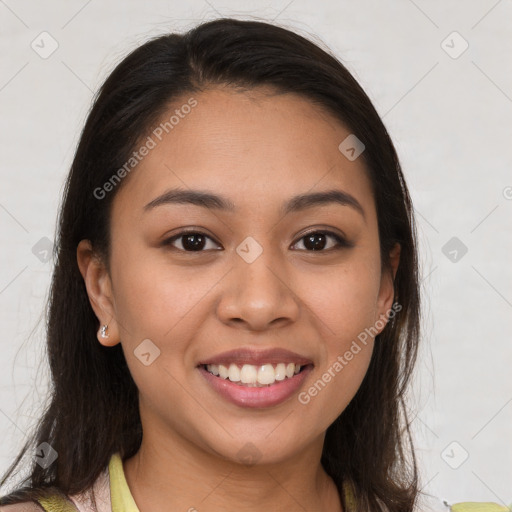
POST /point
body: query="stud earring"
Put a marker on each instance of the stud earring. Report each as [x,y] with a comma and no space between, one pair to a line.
[103,331]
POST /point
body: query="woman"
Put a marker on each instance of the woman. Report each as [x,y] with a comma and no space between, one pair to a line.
[234,312]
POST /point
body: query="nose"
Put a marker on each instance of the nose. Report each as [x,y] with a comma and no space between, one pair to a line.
[258,296]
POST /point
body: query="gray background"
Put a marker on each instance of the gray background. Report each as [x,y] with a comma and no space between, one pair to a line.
[449,112]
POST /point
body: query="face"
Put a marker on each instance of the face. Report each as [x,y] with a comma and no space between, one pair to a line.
[268,272]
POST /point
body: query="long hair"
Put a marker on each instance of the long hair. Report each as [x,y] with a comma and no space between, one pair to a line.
[93,411]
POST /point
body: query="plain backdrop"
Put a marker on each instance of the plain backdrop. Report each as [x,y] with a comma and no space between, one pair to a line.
[437,73]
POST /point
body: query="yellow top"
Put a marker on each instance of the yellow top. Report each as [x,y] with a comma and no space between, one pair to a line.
[122,499]
[478,507]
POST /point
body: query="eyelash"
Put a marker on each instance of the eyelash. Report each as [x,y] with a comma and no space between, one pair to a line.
[342,243]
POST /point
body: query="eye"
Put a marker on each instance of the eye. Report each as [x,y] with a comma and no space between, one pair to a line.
[197,241]
[190,241]
[317,241]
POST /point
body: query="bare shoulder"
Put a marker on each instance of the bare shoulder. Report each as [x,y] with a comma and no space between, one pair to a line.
[25,506]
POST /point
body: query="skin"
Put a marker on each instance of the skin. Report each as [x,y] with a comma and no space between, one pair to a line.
[258,150]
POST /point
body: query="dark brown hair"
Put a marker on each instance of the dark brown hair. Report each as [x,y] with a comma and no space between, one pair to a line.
[93,411]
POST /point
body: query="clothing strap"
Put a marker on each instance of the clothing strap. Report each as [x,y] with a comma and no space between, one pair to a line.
[470,506]
[348,494]
[57,503]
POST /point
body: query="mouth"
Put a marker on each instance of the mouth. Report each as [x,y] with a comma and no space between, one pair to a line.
[263,389]
[249,375]
[256,378]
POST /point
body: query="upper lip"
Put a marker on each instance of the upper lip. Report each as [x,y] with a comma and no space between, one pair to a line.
[257,357]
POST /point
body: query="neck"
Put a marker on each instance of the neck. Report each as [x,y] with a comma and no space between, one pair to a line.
[181,476]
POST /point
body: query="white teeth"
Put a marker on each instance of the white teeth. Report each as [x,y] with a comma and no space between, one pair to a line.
[255,376]
[248,374]
[280,371]
[266,374]
[234,373]
[223,371]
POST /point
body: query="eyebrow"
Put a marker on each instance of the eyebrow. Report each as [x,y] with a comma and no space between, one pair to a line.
[216,202]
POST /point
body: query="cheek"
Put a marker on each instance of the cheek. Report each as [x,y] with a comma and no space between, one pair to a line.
[345,309]
[152,297]
[343,301]
[345,297]
[155,303]
[334,386]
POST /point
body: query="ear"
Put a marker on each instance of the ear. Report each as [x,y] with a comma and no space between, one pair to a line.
[99,289]
[387,285]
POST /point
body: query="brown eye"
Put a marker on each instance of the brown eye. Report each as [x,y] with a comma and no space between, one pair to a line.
[196,241]
[191,241]
[319,240]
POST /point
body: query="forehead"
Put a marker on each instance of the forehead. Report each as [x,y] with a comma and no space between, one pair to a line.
[247,146]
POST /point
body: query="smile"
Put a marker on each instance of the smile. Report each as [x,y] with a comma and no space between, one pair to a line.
[255,375]
[255,394]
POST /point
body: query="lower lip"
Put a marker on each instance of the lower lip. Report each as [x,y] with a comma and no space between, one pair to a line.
[256,397]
